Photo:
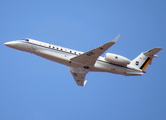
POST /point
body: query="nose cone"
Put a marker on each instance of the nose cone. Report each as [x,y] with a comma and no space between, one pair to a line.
[12,44]
[7,43]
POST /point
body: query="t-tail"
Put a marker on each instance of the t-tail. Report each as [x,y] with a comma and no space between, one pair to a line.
[145,58]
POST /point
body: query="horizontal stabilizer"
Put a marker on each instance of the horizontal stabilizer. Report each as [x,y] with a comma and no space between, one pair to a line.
[151,53]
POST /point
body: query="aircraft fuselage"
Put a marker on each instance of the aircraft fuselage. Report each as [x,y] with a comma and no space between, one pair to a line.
[63,55]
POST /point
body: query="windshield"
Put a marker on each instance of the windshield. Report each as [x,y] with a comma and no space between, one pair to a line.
[26,40]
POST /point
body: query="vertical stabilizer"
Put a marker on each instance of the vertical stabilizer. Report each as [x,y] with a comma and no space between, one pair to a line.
[145,58]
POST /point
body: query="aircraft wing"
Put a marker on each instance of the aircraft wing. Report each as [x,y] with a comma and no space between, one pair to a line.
[90,57]
[79,75]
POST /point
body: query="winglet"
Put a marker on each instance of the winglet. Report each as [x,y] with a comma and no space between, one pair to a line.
[116,39]
[85,82]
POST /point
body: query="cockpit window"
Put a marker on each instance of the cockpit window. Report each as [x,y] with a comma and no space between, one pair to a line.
[27,40]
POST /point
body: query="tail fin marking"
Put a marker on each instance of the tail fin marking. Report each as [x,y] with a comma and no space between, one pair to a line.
[146,63]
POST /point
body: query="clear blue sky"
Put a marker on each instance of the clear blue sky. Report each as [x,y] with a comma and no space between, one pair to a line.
[33,88]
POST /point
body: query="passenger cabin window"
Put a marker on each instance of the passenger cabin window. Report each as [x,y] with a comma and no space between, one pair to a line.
[27,40]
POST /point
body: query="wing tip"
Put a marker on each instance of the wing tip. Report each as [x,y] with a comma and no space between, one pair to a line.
[115,40]
[85,82]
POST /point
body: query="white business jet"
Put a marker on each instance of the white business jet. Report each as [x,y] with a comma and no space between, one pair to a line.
[80,63]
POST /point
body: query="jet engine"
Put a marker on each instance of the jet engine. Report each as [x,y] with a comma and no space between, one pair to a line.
[116,59]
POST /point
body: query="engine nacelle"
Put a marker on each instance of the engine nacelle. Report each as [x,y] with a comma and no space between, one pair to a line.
[116,59]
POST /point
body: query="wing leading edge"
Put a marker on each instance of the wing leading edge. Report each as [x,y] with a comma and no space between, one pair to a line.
[90,57]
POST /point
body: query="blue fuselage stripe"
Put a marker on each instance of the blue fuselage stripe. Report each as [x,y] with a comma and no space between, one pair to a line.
[52,48]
